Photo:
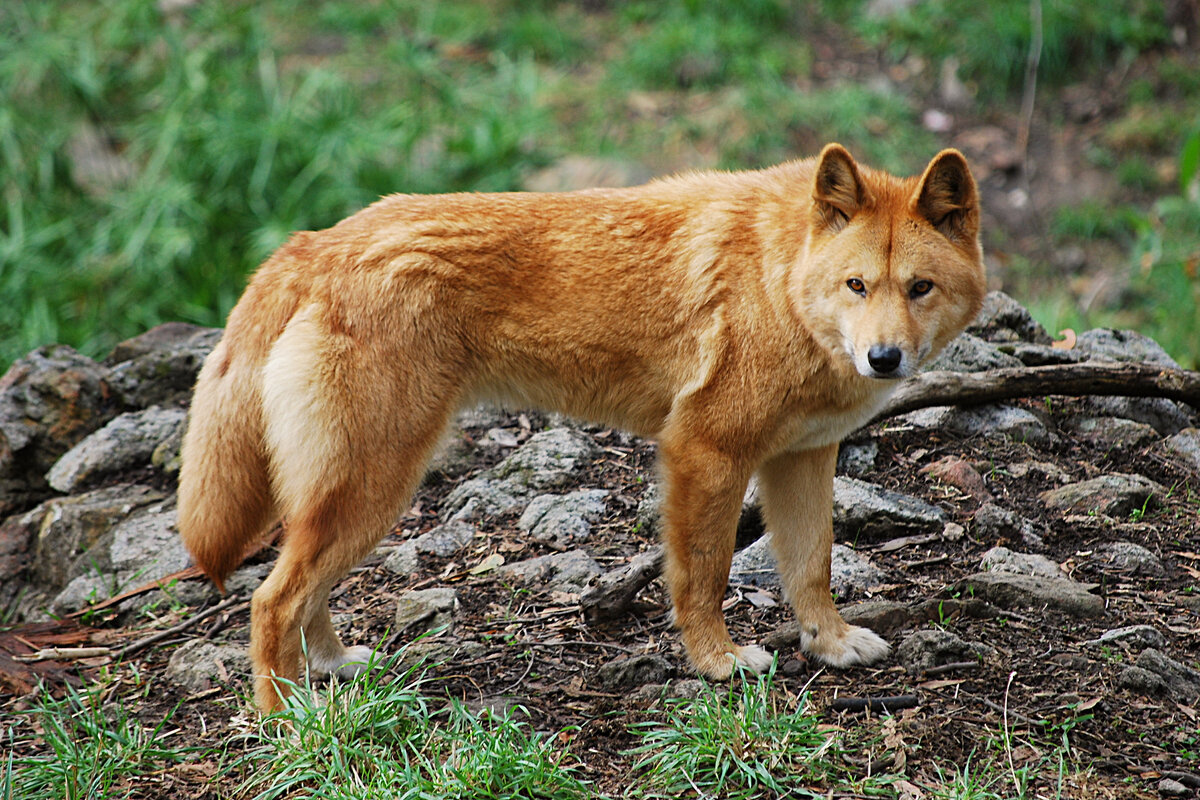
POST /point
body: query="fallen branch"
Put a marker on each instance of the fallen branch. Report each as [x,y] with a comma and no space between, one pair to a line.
[63,654]
[611,595]
[154,638]
[1087,378]
[876,705]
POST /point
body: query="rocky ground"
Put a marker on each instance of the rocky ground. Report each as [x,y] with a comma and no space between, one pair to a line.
[1036,565]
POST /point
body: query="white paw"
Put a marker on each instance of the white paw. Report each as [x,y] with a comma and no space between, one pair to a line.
[355,661]
[753,658]
[350,662]
[857,646]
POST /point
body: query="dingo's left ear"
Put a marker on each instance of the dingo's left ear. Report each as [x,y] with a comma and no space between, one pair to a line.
[838,189]
[947,197]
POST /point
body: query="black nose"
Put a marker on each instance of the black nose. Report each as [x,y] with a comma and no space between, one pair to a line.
[884,358]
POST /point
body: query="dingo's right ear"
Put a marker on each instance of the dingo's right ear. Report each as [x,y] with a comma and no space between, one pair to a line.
[838,189]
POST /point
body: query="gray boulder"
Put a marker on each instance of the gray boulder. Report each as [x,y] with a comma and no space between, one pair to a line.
[563,518]
[159,367]
[49,400]
[1116,494]
[864,511]
[566,572]
[125,443]
[1007,590]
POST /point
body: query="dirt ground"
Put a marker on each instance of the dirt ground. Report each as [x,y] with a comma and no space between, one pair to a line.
[533,647]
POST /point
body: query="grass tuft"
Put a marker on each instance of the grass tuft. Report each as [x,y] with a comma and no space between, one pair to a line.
[734,743]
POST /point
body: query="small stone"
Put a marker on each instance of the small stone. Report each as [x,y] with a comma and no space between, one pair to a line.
[969,353]
[402,559]
[1026,591]
[865,512]
[627,673]
[567,572]
[857,459]
[425,609]
[1168,787]
[932,647]
[959,473]
[1136,637]
[1001,559]
[198,665]
[850,571]
[994,523]
[446,540]
[1125,434]
[561,519]
[1115,494]
[1184,447]
[1130,558]
[1156,673]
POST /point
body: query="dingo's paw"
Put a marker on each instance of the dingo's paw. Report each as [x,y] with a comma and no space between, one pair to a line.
[720,666]
[349,663]
[855,646]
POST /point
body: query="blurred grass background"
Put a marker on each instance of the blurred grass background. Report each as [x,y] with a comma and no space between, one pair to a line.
[153,153]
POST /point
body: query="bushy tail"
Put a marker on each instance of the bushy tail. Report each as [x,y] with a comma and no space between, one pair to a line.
[225,501]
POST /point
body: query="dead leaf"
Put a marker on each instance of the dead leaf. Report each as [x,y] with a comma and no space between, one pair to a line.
[487,565]
[1067,342]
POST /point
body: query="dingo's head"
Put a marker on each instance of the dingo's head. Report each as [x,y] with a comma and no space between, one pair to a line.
[893,268]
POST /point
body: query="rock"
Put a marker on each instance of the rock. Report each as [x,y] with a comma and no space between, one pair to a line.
[1130,558]
[446,540]
[850,571]
[863,511]
[1115,494]
[198,665]
[1006,590]
[403,559]
[881,616]
[857,459]
[969,353]
[1155,673]
[1169,787]
[1001,559]
[146,544]
[126,442]
[1105,344]
[49,400]
[649,511]
[635,671]
[993,523]
[548,460]
[1135,637]
[425,609]
[1003,319]
[68,531]
[567,572]
[160,366]
[932,647]
[1165,416]
[562,519]
[959,473]
[1017,423]
[1125,434]
[1184,448]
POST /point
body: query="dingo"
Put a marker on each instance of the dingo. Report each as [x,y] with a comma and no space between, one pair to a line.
[746,320]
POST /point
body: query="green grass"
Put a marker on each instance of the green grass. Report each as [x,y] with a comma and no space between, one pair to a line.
[381,736]
[92,745]
[741,742]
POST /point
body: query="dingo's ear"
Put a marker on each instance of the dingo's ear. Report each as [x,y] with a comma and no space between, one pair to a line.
[947,197]
[838,190]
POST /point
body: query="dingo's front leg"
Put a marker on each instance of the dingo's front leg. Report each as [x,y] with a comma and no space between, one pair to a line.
[797,500]
[704,490]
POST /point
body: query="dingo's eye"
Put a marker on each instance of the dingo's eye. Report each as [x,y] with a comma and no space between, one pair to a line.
[920,288]
[857,286]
